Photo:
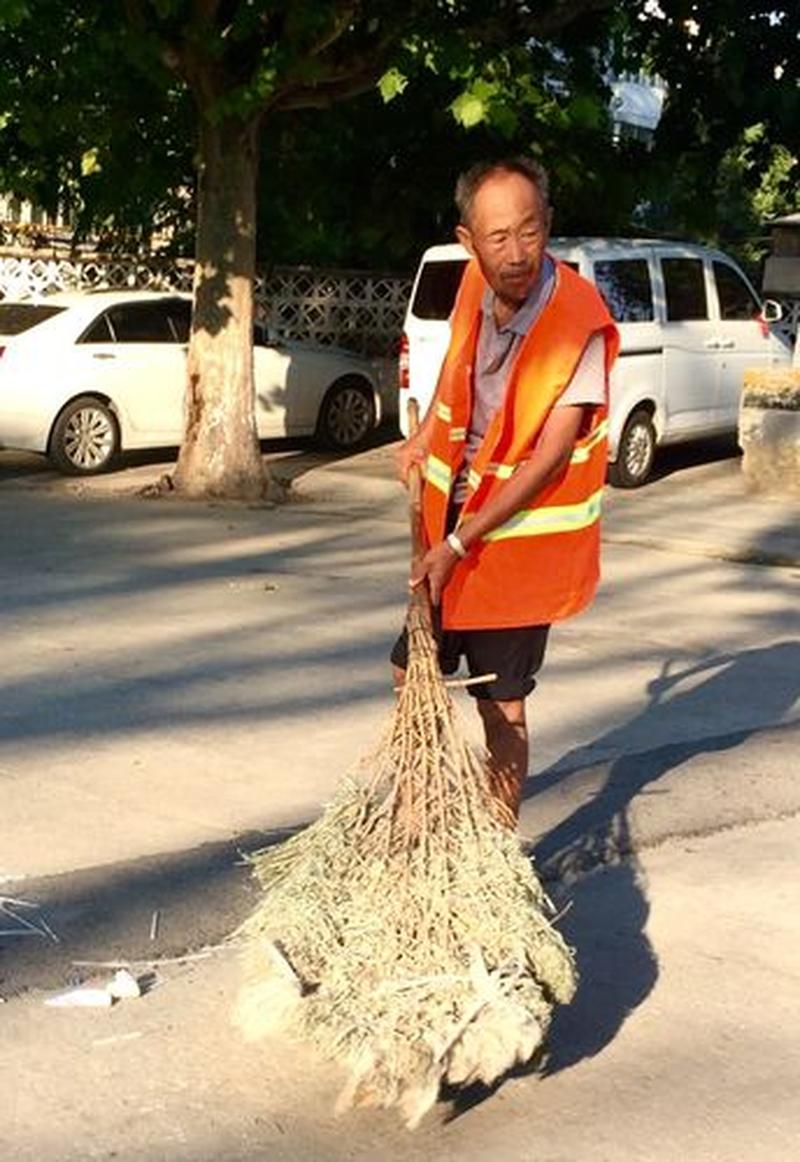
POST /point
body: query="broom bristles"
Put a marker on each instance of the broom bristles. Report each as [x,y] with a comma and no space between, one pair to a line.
[414,940]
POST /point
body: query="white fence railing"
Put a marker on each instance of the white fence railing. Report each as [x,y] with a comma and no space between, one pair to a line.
[358,310]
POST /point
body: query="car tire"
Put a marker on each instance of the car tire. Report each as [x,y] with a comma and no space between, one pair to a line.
[85,438]
[636,452]
[347,415]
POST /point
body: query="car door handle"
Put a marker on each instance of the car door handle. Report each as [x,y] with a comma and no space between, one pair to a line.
[726,344]
[712,344]
[103,355]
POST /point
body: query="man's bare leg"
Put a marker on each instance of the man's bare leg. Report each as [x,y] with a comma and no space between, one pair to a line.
[506,734]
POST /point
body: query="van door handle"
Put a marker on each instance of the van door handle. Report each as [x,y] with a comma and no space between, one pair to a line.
[712,344]
[726,344]
[103,355]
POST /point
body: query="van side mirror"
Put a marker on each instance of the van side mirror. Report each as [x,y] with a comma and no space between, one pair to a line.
[771,311]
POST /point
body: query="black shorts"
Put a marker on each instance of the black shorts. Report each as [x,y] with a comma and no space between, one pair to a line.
[515,655]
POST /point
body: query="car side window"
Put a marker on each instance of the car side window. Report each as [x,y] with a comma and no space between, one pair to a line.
[624,283]
[736,300]
[98,332]
[684,289]
[179,312]
[141,323]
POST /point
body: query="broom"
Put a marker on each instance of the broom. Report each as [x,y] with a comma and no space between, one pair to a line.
[405,933]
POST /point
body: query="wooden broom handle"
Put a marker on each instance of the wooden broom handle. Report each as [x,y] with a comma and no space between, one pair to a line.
[421,595]
[415,492]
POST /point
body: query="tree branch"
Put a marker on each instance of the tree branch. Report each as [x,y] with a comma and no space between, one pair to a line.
[338,28]
[325,93]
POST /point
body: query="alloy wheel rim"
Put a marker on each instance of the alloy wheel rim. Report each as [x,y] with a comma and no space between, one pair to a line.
[639,451]
[349,416]
[88,438]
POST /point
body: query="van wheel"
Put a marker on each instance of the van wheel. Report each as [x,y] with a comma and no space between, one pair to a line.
[636,452]
[85,438]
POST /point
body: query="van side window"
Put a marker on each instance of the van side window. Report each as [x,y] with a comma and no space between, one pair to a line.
[625,285]
[437,288]
[685,289]
[736,300]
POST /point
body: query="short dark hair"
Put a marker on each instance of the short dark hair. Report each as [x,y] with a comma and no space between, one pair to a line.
[472,179]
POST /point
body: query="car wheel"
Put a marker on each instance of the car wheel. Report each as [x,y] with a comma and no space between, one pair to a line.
[85,438]
[636,452]
[347,415]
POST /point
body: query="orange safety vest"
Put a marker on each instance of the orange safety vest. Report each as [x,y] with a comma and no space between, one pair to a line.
[543,563]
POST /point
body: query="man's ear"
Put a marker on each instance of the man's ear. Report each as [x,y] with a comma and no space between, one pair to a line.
[465,238]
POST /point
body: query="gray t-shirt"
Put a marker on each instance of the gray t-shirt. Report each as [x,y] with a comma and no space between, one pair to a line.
[496,351]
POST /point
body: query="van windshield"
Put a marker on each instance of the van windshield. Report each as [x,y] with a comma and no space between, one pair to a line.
[436,289]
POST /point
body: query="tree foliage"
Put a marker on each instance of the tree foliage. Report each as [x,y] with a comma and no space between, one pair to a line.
[724,150]
[133,112]
[239,63]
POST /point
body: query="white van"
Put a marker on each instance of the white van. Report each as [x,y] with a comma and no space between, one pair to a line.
[690,325]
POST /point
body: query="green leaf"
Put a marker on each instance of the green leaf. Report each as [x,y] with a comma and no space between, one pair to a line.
[392,84]
[90,163]
[469,109]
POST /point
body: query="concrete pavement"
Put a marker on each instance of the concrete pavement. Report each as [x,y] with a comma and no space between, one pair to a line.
[680,1046]
[181,678]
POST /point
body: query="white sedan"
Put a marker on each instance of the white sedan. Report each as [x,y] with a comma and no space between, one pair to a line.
[83,376]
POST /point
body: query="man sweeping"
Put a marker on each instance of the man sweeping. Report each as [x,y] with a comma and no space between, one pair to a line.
[514,450]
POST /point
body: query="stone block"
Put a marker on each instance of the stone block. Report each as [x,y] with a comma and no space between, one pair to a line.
[769,430]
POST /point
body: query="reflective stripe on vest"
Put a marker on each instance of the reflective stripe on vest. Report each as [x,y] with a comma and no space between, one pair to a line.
[506,471]
[582,454]
[438,474]
[444,412]
[560,518]
[501,471]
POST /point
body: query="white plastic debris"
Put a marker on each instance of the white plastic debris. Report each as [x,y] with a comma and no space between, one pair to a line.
[124,986]
[82,998]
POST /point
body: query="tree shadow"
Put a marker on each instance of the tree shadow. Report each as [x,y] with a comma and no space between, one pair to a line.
[136,912]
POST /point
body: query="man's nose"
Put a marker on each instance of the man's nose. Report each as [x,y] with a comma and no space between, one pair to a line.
[515,252]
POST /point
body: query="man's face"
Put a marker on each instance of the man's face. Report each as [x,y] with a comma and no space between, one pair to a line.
[507,232]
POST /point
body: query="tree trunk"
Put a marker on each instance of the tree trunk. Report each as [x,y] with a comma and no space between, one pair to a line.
[220,455]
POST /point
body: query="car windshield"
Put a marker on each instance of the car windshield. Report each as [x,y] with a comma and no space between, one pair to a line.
[18,317]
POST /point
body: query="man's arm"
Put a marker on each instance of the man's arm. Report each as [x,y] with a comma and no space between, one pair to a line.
[552,452]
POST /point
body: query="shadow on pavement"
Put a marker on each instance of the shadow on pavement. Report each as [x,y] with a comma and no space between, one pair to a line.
[107,913]
[677,457]
[608,916]
[589,863]
[289,458]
